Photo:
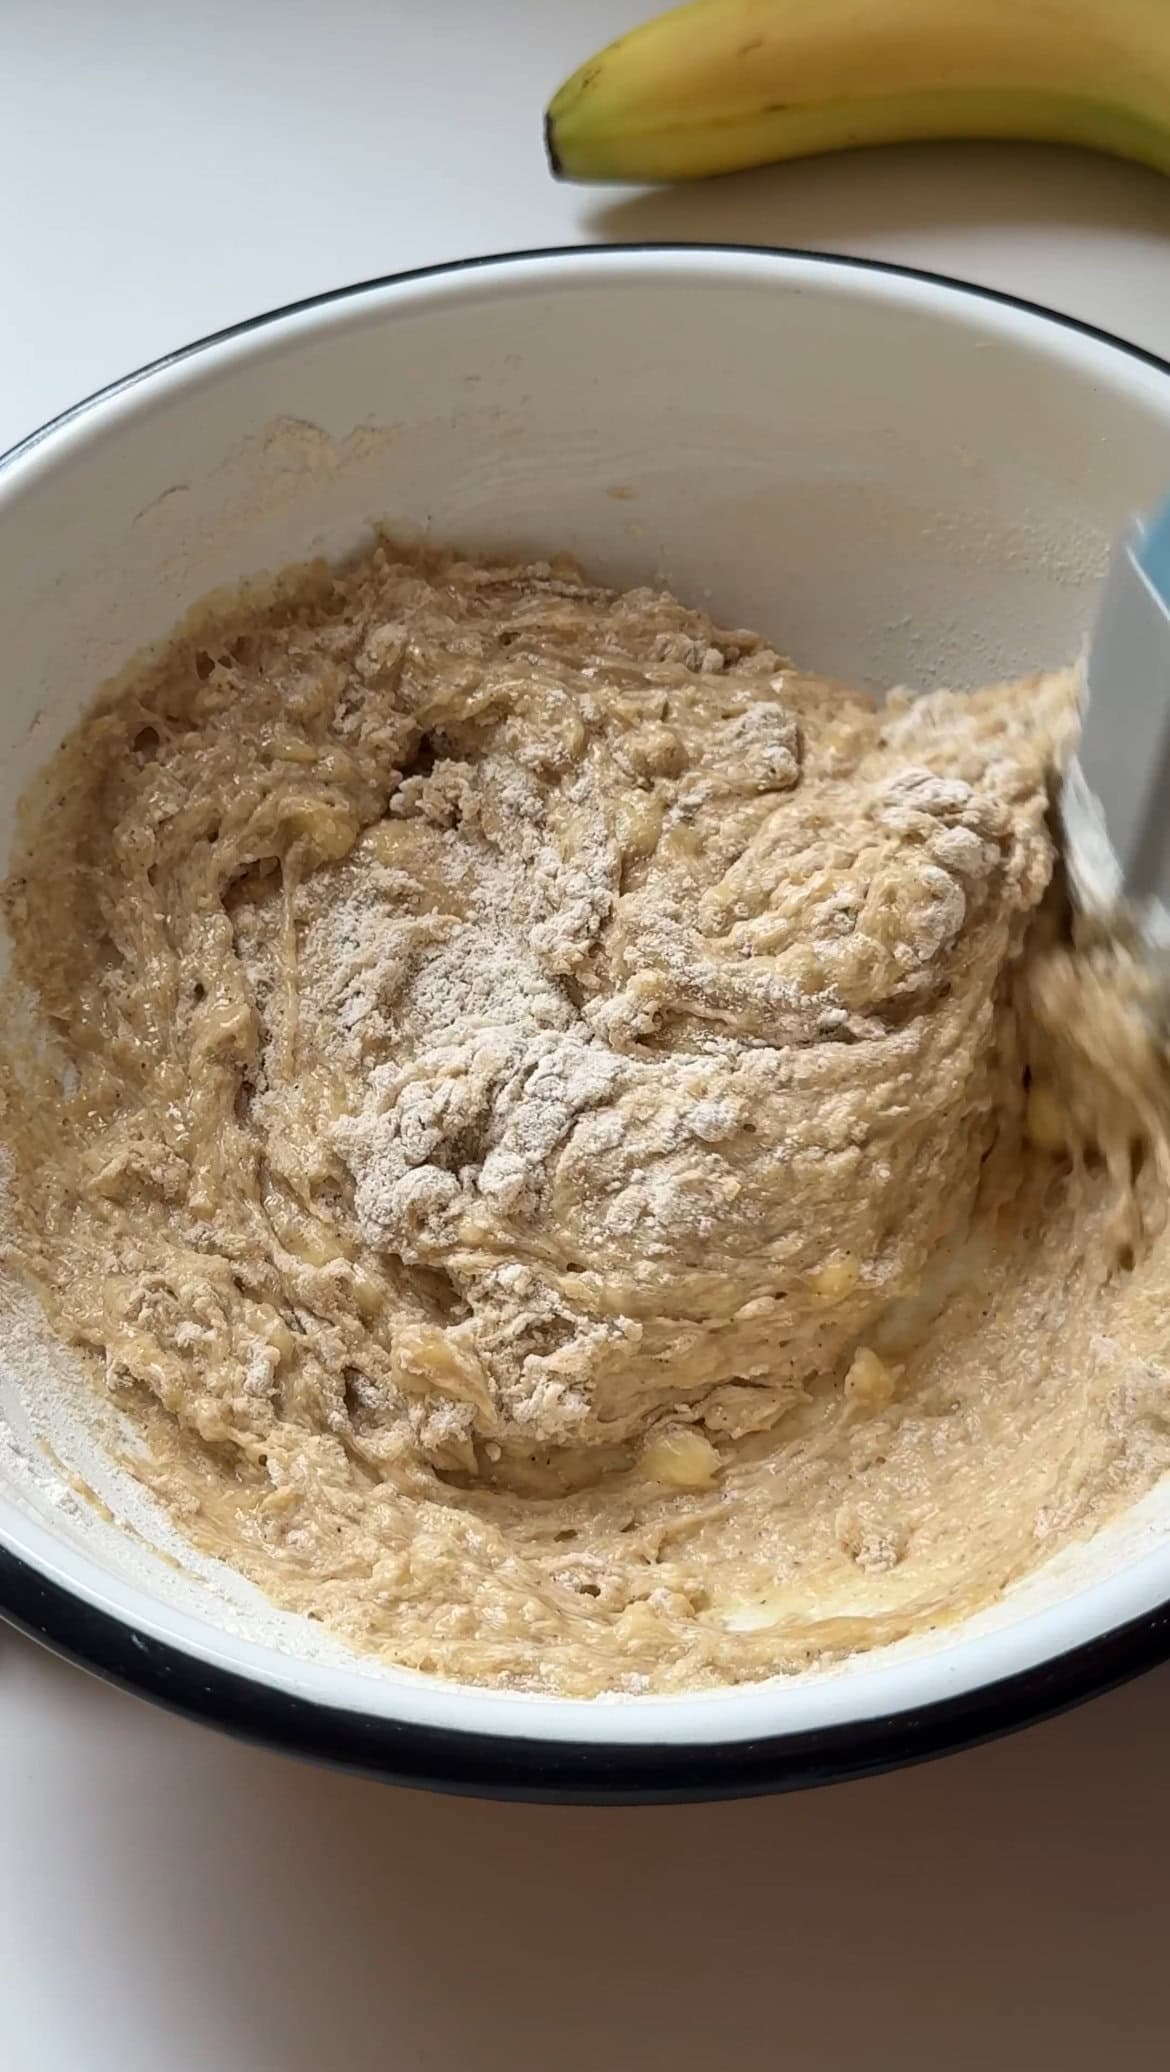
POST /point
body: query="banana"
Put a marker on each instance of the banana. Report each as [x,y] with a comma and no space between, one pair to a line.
[723,84]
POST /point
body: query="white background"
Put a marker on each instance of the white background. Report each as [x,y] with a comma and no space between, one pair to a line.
[168,1900]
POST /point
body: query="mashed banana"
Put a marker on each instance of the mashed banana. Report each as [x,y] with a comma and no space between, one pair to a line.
[571,1138]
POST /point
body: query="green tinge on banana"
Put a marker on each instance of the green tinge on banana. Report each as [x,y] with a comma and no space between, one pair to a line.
[720,85]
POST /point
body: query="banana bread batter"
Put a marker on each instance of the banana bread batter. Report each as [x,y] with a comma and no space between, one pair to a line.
[580,1147]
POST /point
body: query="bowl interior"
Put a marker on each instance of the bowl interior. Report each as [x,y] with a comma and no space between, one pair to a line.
[897,481]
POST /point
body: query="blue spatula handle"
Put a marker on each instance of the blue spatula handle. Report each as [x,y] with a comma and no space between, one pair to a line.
[1153,551]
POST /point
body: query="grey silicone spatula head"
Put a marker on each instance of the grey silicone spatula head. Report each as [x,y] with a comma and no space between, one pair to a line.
[1116,802]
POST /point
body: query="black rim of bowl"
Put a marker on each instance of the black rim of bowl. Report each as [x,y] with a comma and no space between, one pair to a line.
[512,1766]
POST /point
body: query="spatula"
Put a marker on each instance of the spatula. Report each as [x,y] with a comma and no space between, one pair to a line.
[1116,797]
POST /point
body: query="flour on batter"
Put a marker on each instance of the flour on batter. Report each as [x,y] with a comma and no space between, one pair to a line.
[564,1134]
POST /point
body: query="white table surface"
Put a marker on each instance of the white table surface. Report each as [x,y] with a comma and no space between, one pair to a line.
[170,1900]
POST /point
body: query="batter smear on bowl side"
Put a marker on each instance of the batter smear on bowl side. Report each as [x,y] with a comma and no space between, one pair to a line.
[589,1155]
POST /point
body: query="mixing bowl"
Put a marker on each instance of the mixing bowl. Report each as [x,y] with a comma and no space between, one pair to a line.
[899,479]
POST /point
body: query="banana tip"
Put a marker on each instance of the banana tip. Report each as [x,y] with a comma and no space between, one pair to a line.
[555,166]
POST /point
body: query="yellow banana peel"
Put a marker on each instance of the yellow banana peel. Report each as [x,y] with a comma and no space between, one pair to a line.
[719,85]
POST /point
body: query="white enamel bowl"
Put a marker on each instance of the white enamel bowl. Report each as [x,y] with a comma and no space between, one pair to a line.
[898,479]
